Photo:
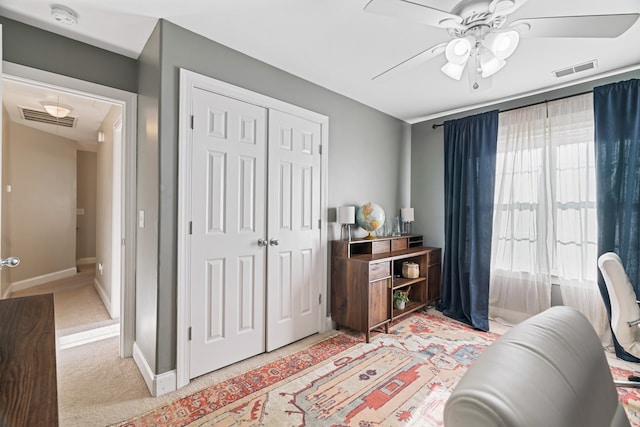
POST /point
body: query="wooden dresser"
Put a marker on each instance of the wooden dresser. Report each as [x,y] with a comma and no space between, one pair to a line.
[28,388]
[365,273]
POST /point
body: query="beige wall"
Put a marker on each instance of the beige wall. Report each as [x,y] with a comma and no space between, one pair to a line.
[5,247]
[42,203]
[104,217]
[86,223]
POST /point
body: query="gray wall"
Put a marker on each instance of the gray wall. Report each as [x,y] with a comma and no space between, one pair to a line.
[32,47]
[427,164]
[365,155]
[147,192]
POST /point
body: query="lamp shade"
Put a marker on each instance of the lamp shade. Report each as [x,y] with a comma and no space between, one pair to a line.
[347,214]
[407,214]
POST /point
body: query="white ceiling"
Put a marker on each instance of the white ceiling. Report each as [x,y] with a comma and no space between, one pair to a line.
[89,112]
[337,45]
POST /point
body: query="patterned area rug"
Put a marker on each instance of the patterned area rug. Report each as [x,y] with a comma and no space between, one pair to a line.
[630,397]
[399,379]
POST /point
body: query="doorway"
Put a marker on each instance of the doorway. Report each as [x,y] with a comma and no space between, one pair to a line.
[120,248]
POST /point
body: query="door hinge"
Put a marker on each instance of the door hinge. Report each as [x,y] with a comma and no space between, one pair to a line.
[319,299]
[190,227]
[320,149]
[122,242]
[192,121]
[189,333]
[319,223]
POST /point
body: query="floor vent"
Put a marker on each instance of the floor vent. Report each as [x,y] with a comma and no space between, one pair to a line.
[576,68]
[44,117]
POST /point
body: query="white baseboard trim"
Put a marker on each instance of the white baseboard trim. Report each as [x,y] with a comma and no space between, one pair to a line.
[83,261]
[328,324]
[157,384]
[7,293]
[39,280]
[166,382]
[103,296]
[89,336]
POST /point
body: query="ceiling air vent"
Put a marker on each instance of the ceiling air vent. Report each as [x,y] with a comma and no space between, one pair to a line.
[44,117]
[576,68]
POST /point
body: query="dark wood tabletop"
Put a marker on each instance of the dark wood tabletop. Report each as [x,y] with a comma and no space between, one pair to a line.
[28,390]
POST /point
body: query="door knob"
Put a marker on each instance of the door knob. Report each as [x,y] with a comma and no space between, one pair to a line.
[10,262]
[274,242]
[262,242]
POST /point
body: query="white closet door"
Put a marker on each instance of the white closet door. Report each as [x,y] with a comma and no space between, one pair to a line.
[228,217]
[293,285]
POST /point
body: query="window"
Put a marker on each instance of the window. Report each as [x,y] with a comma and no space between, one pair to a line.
[544,227]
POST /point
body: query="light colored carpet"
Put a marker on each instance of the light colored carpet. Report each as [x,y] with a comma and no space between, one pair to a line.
[97,388]
[78,306]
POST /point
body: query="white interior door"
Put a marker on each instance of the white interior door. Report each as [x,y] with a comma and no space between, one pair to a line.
[228,218]
[293,285]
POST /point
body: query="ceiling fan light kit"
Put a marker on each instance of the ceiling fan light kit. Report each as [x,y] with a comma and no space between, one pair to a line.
[482,33]
[490,52]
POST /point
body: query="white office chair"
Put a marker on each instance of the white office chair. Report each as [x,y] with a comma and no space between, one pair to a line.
[625,312]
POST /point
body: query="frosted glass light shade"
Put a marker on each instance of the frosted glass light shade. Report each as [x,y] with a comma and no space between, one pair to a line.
[453,70]
[502,44]
[458,50]
[347,214]
[57,110]
[407,214]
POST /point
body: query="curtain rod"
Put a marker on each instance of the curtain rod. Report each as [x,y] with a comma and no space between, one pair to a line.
[437,125]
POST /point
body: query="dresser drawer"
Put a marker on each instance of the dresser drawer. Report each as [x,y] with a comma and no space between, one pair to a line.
[433,257]
[380,247]
[379,270]
[399,244]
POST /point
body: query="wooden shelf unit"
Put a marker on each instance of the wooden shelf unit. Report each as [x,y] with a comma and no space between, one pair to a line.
[365,273]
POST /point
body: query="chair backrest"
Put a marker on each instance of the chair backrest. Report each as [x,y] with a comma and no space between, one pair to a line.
[549,370]
[622,297]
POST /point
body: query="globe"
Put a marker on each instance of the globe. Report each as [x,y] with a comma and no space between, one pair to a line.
[370,217]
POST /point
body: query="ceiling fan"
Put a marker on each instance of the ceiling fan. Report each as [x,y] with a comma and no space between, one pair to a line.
[481,33]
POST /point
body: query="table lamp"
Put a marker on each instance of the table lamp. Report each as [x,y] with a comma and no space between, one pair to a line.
[407,218]
[346,217]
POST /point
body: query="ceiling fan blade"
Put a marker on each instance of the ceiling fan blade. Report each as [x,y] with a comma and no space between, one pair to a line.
[589,26]
[505,7]
[415,60]
[415,12]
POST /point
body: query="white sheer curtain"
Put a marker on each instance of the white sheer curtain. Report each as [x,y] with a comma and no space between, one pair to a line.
[544,228]
[575,267]
[520,284]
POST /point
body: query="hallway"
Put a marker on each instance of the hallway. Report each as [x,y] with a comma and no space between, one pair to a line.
[91,376]
[80,315]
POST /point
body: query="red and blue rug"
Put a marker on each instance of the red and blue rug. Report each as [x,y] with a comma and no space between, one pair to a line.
[399,379]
